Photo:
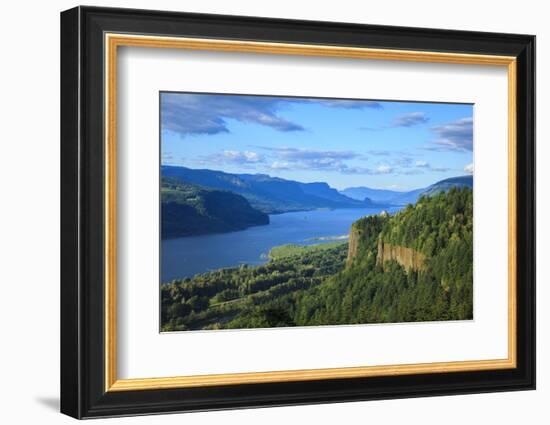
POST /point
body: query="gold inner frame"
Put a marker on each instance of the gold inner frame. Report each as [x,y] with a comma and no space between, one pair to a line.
[113,41]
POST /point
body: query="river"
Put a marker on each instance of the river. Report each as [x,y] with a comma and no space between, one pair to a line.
[185,257]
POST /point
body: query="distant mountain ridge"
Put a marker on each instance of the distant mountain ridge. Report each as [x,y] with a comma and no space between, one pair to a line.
[273,195]
[409,197]
[447,184]
[268,194]
[362,192]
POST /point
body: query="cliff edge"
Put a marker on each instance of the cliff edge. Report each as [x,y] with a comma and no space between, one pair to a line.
[408,258]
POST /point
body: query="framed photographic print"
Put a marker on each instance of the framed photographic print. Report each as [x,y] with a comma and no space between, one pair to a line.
[261,212]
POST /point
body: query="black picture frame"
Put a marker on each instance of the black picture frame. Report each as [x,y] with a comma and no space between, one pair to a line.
[83,392]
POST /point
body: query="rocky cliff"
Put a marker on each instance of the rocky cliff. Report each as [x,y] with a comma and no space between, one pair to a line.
[407,257]
[363,236]
[353,245]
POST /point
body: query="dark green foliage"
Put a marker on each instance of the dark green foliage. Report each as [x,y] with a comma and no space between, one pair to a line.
[247,296]
[434,223]
[191,210]
[367,230]
[262,317]
[311,286]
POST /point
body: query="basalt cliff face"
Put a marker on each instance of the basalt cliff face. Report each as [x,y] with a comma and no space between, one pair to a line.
[409,258]
[353,245]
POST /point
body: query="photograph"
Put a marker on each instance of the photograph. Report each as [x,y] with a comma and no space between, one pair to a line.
[280,211]
[286,210]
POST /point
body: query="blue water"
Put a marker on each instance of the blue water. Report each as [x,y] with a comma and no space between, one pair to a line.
[185,257]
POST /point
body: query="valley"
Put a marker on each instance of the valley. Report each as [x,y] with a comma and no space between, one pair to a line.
[413,264]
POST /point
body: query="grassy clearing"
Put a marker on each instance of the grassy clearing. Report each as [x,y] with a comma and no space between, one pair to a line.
[290,250]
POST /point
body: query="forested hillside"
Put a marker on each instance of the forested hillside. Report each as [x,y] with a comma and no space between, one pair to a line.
[188,210]
[302,286]
[440,228]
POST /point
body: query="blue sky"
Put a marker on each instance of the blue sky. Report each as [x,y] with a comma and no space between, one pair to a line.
[379,144]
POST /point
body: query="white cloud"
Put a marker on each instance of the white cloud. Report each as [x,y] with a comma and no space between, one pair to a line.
[280,165]
[242,157]
[189,113]
[384,169]
[469,168]
[454,136]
